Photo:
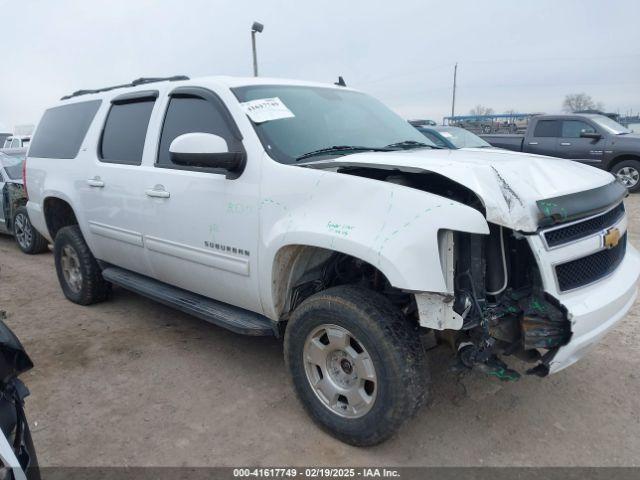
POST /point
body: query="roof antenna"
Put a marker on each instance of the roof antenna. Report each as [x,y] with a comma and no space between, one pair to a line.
[340,82]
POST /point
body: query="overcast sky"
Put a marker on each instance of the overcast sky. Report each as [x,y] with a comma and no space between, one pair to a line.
[512,54]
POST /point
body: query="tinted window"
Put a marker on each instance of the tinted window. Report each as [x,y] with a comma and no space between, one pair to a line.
[62,130]
[573,128]
[191,115]
[125,131]
[547,128]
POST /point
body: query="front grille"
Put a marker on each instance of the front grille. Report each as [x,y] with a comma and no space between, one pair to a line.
[586,270]
[579,230]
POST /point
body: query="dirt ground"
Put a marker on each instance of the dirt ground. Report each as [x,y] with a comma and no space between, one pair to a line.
[130,382]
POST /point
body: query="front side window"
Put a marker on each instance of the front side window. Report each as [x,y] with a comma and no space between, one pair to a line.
[125,131]
[325,118]
[62,129]
[191,114]
[573,128]
[547,128]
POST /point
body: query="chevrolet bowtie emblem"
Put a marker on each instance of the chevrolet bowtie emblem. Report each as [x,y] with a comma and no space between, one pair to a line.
[611,237]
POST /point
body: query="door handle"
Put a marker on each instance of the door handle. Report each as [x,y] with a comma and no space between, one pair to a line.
[533,143]
[565,144]
[157,192]
[95,182]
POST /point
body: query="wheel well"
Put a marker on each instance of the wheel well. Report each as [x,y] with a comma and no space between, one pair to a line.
[622,158]
[58,214]
[300,271]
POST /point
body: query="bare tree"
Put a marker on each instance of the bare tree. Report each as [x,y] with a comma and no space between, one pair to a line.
[575,102]
[481,110]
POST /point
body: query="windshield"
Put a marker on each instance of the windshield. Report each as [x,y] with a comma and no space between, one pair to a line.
[609,125]
[462,138]
[317,118]
[12,165]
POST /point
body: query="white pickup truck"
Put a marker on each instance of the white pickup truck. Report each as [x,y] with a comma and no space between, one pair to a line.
[313,213]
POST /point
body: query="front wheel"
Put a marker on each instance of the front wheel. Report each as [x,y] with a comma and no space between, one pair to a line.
[28,238]
[356,363]
[628,172]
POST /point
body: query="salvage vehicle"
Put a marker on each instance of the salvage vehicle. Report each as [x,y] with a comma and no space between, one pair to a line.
[18,459]
[14,219]
[596,140]
[315,214]
[452,137]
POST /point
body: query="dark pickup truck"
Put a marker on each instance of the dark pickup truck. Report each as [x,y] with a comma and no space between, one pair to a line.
[589,138]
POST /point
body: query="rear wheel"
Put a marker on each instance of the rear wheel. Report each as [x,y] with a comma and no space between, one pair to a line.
[628,172]
[78,271]
[27,237]
[356,363]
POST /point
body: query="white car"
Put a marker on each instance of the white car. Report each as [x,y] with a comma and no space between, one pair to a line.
[313,213]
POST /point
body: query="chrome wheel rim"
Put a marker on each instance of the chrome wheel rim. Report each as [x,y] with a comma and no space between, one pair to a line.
[22,230]
[629,176]
[70,265]
[340,371]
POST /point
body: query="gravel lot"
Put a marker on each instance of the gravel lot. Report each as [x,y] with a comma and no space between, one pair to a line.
[130,382]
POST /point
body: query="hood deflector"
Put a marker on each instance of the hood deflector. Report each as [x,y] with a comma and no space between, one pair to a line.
[580,204]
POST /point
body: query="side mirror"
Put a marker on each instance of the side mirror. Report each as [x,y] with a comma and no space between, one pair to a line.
[593,135]
[205,150]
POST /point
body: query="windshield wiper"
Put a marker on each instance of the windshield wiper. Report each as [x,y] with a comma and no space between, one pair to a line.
[340,148]
[407,144]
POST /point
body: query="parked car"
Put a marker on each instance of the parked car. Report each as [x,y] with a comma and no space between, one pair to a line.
[14,219]
[17,453]
[426,123]
[17,141]
[596,140]
[315,214]
[453,137]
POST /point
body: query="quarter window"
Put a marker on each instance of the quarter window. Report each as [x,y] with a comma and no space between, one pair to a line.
[573,128]
[190,114]
[125,131]
[61,130]
[547,128]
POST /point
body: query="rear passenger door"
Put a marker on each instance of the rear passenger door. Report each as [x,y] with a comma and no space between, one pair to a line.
[204,232]
[544,140]
[113,191]
[571,145]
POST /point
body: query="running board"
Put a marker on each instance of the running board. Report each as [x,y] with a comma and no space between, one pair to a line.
[236,319]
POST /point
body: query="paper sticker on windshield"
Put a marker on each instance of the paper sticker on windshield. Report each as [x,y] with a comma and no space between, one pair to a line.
[266,109]
[446,134]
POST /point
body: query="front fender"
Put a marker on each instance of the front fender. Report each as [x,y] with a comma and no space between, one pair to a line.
[392,227]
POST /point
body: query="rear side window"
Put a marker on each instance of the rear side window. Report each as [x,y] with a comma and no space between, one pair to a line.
[62,129]
[125,132]
[187,114]
[547,128]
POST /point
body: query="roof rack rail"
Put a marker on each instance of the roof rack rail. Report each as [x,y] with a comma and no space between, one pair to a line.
[136,82]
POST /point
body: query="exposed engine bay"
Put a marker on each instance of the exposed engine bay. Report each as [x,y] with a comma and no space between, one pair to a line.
[498,295]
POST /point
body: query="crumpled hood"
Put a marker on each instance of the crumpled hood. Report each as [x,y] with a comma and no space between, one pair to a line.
[508,183]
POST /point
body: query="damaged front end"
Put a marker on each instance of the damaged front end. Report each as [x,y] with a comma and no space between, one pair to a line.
[505,311]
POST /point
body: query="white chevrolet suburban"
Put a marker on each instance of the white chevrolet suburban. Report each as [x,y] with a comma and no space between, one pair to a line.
[313,213]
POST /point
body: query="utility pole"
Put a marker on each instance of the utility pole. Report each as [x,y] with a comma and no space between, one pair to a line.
[453,101]
[255,28]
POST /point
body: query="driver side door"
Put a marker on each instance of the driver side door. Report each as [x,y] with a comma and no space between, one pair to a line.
[572,146]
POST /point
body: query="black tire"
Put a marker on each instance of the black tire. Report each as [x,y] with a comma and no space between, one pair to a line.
[631,168]
[89,287]
[28,238]
[393,345]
